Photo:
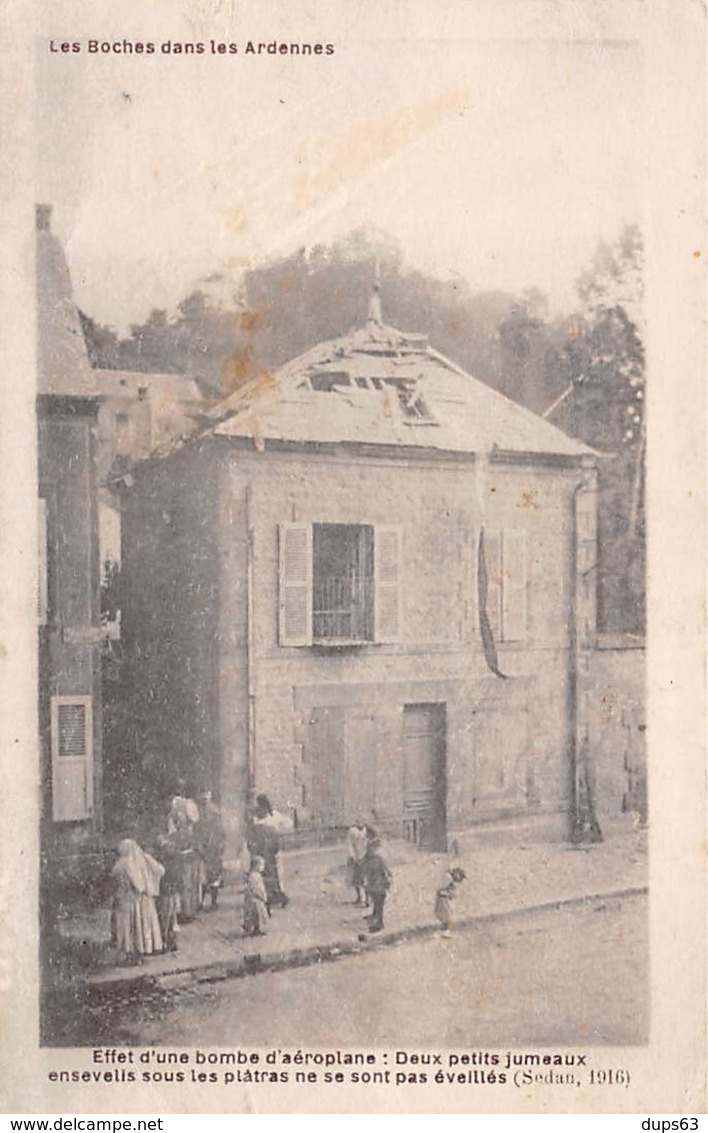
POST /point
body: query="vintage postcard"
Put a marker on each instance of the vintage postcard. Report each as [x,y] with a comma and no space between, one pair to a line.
[354,699]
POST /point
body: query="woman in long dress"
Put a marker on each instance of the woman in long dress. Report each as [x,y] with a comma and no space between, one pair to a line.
[135,926]
[181,822]
[264,842]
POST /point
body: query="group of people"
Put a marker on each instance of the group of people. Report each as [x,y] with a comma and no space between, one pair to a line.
[156,891]
[370,876]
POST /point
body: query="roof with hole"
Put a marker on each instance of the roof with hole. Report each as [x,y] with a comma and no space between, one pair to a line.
[380,386]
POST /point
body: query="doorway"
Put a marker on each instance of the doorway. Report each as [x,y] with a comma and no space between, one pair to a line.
[425,775]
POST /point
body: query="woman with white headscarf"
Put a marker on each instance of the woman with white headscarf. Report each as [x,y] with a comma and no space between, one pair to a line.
[135,926]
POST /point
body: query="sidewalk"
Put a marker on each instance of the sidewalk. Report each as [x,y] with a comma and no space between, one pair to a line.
[507,876]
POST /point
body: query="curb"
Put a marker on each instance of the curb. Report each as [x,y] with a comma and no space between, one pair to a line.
[251,964]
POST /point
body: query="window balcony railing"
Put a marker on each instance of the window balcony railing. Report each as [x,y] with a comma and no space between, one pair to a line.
[343,609]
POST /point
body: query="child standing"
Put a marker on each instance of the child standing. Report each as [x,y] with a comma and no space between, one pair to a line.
[377,879]
[452,878]
[167,853]
[255,906]
[357,842]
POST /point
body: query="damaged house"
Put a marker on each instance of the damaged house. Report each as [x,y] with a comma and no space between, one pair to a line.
[365,587]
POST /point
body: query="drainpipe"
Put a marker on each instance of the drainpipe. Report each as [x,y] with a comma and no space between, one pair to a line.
[583,820]
[573,664]
[250,656]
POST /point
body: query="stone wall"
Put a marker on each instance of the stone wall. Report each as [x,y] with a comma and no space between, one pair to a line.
[617,726]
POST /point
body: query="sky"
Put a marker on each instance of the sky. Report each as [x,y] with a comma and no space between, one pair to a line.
[501,159]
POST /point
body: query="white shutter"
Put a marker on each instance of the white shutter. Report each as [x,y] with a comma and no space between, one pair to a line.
[72,758]
[42,593]
[514,586]
[493,557]
[295,591]
[387,579]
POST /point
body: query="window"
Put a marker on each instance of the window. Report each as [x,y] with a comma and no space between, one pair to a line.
[339,583]
[507,600]
[42,576]
[72,758]
[342,582]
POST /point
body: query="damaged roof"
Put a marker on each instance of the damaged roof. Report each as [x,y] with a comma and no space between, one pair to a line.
[378,385]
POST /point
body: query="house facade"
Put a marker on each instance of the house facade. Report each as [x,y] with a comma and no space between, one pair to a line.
[68,598]
[366,589]
[92,426]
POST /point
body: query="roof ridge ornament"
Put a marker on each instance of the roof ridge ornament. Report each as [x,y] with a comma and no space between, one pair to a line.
[375,315]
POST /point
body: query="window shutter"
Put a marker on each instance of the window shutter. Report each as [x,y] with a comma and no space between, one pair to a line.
[514,585]
[295,620]
[42,593]
[387,576]
[493,556]
[72,758]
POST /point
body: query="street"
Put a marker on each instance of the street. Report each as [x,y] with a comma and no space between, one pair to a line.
[576,976]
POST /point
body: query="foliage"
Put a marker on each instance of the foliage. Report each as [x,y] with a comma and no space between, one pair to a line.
[603,359]
[588,365]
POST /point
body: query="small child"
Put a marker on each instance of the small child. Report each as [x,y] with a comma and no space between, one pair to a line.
[377,882]
[357,843]
[444,897]
[167,853]
[255,905]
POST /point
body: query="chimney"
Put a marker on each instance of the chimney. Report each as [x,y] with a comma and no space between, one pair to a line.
[375,315]
[44,218]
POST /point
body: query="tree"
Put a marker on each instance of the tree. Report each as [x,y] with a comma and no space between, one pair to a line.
[226,332]
[603,360]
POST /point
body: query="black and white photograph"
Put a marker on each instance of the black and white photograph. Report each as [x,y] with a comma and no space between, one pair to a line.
[342,521]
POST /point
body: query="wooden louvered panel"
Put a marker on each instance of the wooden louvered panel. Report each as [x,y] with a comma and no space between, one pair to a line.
[72,758]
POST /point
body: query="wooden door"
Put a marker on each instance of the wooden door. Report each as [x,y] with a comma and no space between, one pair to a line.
[326,754]
[425,775]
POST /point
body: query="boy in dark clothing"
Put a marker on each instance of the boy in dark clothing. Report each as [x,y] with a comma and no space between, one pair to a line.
[168,854]
[377,879]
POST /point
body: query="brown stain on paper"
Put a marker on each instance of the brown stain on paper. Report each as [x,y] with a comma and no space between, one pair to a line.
[242,367]
[529,500]
[334,162]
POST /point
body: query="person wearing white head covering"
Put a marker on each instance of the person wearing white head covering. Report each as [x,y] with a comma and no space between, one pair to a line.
[181,824]
[184,814]
[135,926]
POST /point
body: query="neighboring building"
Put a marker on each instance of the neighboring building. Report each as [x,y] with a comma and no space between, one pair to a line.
[306,609]
[69,601]
[140,414]
[92,426]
